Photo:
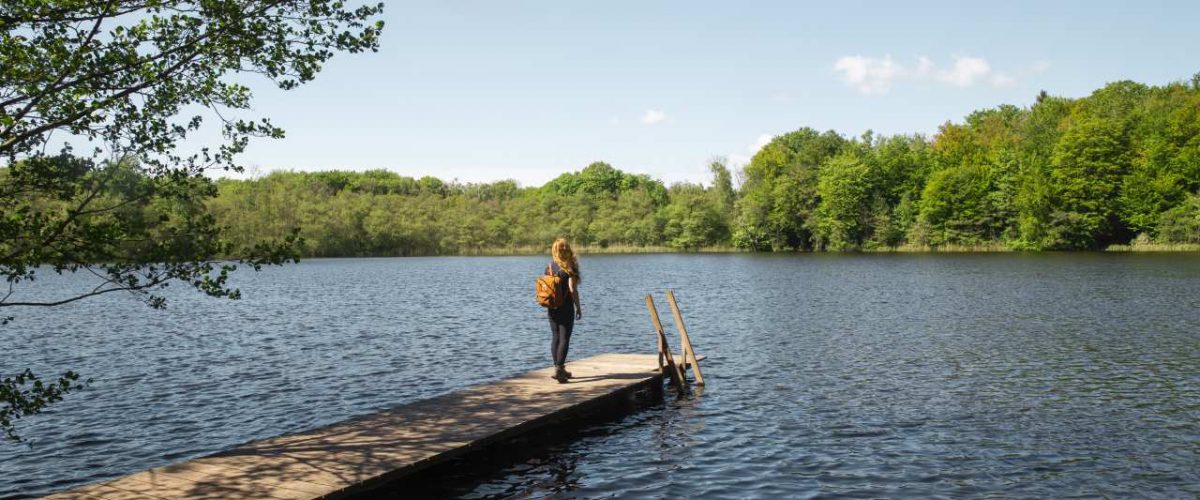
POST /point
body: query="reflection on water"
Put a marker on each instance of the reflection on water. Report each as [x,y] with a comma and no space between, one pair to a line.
[861,375]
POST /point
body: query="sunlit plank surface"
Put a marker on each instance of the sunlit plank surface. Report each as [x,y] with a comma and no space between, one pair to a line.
[360,453]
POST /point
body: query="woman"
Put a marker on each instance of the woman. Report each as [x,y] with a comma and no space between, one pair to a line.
[562,319]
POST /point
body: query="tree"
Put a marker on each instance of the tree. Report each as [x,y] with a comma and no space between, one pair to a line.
[1088,163]
[693,218]
[1181,224]
[1039,133]
[722,185]
[780,190]
[900,166]
[955,208]
[115,76]
[601,179]
[840,220]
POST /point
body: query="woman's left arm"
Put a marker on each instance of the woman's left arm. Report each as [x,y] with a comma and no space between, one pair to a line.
[575,297]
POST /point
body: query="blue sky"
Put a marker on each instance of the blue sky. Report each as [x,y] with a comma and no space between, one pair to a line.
[485,90]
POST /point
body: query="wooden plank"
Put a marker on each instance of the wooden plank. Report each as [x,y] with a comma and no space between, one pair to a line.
[197,479]
[664,349]
[92,492]
[685,344]
[365,452]
[664,352]
[75,496]
[102,491]
[638,362]
[170,486]
[689,352]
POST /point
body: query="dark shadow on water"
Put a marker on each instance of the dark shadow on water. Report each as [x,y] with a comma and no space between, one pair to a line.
[546,452]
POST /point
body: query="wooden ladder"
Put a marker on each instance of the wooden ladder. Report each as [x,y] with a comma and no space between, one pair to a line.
[666,360]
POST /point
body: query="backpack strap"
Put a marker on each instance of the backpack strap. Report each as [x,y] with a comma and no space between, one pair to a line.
[554,270]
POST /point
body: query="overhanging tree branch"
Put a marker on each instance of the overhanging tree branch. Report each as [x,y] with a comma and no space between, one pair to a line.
[102,72]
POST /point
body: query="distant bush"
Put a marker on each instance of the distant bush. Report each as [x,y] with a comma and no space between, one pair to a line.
[1182,223]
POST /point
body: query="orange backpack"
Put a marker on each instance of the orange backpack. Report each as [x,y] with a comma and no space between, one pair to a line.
[549,291]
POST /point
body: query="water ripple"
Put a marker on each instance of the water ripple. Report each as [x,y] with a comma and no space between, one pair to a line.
[924,376]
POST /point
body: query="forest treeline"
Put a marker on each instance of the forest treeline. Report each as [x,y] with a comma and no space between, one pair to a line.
[1120,164]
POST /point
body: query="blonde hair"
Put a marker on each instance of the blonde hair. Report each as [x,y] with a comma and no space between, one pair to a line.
[562,254]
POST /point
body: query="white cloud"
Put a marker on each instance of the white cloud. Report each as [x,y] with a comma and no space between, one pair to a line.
[762,140]
[1003,80]
[751,150]
[869,75]
[653,116]
[876,76]
[924,67]
[966,71]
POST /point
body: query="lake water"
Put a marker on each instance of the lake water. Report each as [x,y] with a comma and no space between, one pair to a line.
[1047,375]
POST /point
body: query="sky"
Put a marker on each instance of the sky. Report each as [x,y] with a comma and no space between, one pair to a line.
[480,91]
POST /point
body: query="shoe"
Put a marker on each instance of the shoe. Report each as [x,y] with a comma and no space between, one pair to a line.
[560,375]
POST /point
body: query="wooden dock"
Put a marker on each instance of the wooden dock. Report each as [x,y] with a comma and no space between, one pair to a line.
[364,453]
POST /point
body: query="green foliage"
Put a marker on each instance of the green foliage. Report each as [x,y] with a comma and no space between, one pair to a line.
[25,394]
[779,194]
[600,178]
[634,218]
[723,185]
[119,72]
[1088,163]
[1039,130]
[376,213]
[1060,174]
[694,218]
[117,76]
[955,208]
[840,220]
[1181,224]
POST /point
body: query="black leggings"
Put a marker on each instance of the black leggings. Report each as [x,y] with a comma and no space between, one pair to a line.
[560,339]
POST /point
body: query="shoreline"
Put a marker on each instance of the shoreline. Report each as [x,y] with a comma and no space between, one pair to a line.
[906,249]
